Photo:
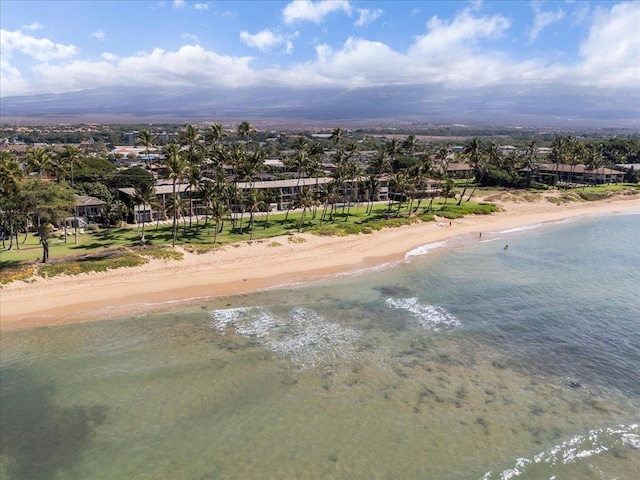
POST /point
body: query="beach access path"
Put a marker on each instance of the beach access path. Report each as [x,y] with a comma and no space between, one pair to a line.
[250,266]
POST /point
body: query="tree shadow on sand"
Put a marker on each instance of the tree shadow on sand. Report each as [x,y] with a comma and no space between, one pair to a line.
[38,438]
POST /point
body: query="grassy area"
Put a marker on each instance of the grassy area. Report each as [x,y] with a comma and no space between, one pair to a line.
[104,249]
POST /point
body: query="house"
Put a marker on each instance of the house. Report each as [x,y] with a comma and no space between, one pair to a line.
[88,208]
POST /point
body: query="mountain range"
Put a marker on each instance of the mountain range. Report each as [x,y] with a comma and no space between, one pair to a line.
[554,106]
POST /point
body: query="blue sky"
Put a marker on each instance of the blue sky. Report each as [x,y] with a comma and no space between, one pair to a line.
[57,46]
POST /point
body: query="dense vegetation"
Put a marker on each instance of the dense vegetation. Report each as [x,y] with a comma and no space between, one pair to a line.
[37,188]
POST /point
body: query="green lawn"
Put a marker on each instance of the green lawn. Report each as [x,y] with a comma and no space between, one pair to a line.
[103,249]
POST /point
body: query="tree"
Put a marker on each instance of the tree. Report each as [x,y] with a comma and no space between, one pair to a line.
[39,160]
[304,200]
[10,173]
[472,152]
[144,196]
[336,136]
[215,133]
[145,138]
[49,203]
[175,170]
[13,208]
[245,130]
[191,137]
[255,201]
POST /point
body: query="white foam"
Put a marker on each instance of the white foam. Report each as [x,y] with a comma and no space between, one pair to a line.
[431,317]
[576,448]
[301,335]
[424,249]
[521,229]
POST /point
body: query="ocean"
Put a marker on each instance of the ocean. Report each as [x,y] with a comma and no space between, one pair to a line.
[516,355]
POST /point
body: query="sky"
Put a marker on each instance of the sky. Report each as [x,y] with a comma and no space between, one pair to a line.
[60,46]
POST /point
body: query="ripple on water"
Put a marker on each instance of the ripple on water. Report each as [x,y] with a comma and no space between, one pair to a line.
[300,335]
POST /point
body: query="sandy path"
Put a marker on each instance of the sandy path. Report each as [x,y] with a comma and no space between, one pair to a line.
[253,265]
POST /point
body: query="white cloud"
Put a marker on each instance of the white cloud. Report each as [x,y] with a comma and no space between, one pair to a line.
[611,53]
[264,40]
[314,11]
[110,57]
[41,49]
[367,16]
[32,27]
[201,6]
[447,40]
[543,19]
[191,37]
[458,52]
[178,3]
[99,34]
[190,65]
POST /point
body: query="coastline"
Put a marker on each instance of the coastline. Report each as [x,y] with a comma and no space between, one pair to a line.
[257,265]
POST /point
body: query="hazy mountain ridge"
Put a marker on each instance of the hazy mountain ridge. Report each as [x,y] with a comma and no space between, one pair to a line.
[562,106]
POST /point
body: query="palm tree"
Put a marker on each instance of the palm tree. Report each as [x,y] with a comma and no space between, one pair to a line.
[13,204]
[380,163]
[393,150]
[410,145]
[336,136]
[10,173]
[207,194]
[255,201]
[304,200]
[372,185]
[493,157]
[472,151]
[144,195]
[330,196]
[192,137]
[529,165]
[72,156]
[194,177]
[215,133]
[245,130]
[145,138]
[39,160]
[175,170]
[219,211]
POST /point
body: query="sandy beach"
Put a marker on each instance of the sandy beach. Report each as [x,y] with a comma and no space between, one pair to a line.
[250,266]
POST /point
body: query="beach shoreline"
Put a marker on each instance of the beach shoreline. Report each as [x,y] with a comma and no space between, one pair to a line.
[258,265]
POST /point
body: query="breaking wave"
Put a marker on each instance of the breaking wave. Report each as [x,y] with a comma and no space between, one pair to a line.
[301,335]
[578,447]
[431,317]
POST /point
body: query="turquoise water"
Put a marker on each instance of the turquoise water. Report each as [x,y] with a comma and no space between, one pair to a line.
[465,361]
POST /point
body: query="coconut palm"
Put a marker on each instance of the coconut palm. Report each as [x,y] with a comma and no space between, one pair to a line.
[214,134]
[489,155]
[191,138]
[245,130]
[330,195]
[336,136]
[303,200]
[255,201]
[371,185]
[410,145]
[175,170]
[145,139]
[472,152]
[219,211]
[380,163]
[10,173]
[39,160]
[193,177]
[144,195]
